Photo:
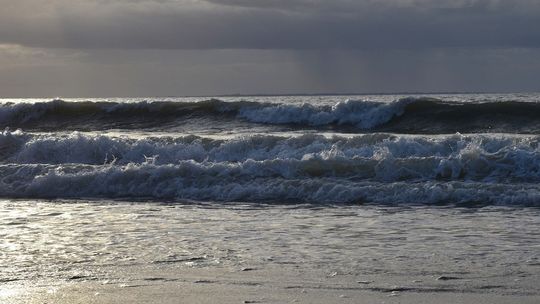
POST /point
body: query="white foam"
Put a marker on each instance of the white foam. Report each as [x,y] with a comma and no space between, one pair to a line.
[263,167]
[360,113]
[187,182]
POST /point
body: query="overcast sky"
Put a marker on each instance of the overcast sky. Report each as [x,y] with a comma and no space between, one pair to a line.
[99,48]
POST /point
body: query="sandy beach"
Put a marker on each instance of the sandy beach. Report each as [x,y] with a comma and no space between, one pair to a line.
[283,285]
[114,252]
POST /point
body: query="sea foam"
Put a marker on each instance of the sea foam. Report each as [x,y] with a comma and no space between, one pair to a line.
[84,165]
[185,182]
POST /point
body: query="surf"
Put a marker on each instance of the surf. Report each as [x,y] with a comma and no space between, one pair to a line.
[412,115]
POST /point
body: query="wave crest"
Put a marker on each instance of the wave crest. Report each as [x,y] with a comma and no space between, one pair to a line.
[98,115]
[184,182]
[310,167]
[406,115]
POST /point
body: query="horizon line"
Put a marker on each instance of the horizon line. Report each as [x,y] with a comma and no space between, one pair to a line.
[291,94]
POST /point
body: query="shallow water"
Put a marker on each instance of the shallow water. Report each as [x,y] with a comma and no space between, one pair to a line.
[52,240]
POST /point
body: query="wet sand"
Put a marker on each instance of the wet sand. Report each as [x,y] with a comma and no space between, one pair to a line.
[267,285]
[112,252]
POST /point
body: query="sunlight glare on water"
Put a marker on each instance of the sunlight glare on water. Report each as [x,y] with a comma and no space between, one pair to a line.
[76,239]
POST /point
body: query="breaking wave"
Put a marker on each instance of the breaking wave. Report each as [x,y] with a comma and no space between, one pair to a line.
[407,115]
[196,182]
[378,168]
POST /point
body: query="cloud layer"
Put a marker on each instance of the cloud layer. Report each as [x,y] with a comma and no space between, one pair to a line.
[205,47]
[270,24]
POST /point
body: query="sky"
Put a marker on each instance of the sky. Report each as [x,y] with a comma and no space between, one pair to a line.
[115,48]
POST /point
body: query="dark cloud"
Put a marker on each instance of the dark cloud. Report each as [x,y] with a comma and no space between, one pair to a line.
[204,47]
[271,24]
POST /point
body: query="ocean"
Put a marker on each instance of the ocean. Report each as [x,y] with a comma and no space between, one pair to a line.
[441,186]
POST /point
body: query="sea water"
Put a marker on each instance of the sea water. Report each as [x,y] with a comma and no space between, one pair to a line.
[441,185]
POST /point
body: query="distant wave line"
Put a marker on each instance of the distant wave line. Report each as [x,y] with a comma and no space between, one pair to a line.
[406,115]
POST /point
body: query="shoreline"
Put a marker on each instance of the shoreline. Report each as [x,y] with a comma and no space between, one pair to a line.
[267,285]
[153,253]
